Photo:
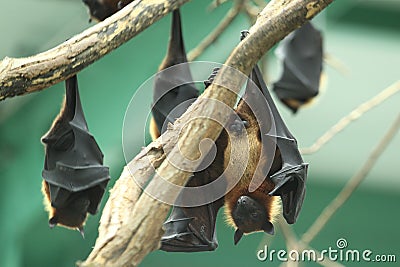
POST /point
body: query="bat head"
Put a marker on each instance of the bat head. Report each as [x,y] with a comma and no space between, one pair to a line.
[73,213]
[250,216]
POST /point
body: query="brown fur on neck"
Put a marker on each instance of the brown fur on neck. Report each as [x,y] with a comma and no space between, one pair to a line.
[256,157]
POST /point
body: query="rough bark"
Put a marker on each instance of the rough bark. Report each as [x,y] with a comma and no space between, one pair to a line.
[137,228]
[20,76]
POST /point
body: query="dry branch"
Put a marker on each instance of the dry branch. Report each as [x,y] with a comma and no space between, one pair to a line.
[351,185]
[139,231]
[20,76]
[219,29]
[352,116]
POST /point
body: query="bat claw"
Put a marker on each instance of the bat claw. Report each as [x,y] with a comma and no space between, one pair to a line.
[211,78]
[243,34]
[81,231]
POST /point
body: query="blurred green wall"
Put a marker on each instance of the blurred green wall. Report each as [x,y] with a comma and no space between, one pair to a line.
[363,35]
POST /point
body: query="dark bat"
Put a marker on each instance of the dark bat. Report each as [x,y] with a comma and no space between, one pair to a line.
[290,179]
[174,90]
[193,229]
[101,9]
[301,53]
[74,176]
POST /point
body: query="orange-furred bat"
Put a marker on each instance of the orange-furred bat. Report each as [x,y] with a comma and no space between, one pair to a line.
[74,177]
[101,9]
[193,229]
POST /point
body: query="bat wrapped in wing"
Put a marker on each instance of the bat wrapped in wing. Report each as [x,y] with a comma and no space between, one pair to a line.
[301,53]
[74,175]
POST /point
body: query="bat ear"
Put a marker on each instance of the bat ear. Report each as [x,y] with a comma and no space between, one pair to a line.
[47,140]
[268,228]
[238,235]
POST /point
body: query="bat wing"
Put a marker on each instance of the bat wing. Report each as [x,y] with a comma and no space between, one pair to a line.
[290,179]
[73,160]
[171,105]
[192,229]
[301,53]
[174,90]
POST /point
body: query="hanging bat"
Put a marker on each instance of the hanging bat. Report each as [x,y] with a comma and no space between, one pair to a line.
[74,176]
[174,90]
[101,9]
[301,53]
[193,229]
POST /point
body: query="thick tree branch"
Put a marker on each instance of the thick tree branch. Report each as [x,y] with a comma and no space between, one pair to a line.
[138,232]
[20,76]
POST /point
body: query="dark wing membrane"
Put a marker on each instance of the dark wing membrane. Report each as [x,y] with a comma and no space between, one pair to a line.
[172,104]
[301,53]
[73,159]
[174,90]
[290,179]
[191,229]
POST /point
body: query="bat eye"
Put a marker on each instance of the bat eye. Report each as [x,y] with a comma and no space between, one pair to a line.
[65,141]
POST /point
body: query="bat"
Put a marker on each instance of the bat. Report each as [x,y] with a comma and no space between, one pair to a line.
[193,229]
[101,9]
[301,53]
[74,178]
[290,179]
[173,90]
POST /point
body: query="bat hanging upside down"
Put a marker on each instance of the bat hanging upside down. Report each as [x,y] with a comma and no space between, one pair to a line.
[190,229]
[74,178]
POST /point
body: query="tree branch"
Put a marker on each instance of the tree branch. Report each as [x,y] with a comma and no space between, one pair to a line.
[352,116]
[139,230]
[219,29]
[20,76]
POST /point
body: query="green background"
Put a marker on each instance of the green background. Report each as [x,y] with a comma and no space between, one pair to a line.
[363,35]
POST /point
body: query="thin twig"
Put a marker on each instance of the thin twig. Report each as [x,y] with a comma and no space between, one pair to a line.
[352,184]
[221,27]
[336,63]
[260,3]
[291,241]
[216,3]
[288,234]
[326,261]
[251,10]
[352,116]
